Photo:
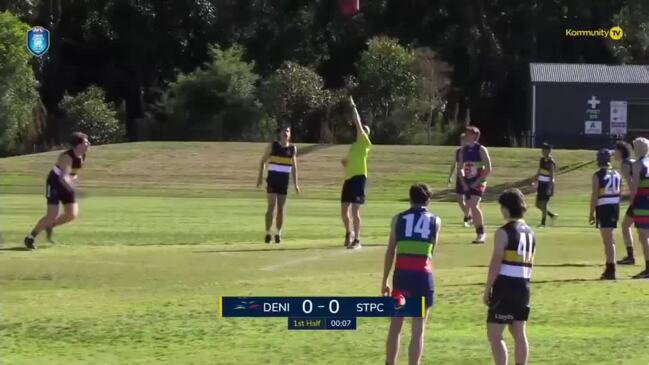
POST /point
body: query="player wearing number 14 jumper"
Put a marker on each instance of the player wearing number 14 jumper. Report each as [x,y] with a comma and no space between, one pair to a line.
[413,237]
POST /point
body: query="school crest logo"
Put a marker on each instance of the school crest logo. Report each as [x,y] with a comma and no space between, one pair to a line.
[38,41]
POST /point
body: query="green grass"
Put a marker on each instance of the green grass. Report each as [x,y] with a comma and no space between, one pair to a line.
[166,228]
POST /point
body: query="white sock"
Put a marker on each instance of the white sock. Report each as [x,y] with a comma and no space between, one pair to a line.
[279,232]
[268,232]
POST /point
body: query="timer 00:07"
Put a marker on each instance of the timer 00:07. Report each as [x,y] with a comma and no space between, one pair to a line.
[340,323]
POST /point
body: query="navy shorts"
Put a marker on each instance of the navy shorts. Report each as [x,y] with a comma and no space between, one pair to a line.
[510,300]
[544,191]
[607,215]
[277,184]
[56,192]
[414,284]
[354,190]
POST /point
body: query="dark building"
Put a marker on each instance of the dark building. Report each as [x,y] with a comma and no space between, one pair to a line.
[587,105]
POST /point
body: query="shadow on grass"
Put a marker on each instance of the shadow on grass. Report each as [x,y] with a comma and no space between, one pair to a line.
[18,248]
[551,265]
[534,282]
[272,247]
[493,192]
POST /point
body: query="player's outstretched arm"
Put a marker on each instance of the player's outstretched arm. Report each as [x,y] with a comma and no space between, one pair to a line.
[389,259]
[356,119]
[294,173]
[500,242]
[262,164]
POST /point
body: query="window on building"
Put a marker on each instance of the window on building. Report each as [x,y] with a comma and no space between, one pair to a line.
[638,116]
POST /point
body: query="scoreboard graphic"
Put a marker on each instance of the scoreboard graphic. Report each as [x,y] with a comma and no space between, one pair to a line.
[320,313]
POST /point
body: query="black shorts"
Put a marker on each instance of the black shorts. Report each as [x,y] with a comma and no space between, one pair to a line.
[510,300]
[56,192]
[354,190]
[607,215]
[544,191]
[414,284]
[277,184]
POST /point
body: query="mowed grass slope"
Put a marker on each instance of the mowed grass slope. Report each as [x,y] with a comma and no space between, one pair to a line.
[167,227]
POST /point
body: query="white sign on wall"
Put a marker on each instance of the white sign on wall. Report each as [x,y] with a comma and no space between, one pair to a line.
[593,110]
[618,118]
[593,127]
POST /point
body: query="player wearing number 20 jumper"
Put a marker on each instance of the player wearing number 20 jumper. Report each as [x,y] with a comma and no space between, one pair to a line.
[640,196]
[507,292]
[413,237]
[605,207]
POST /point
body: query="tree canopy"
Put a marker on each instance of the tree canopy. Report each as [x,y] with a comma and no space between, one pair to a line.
[148,53]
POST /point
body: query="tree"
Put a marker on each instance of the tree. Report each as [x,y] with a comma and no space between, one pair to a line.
[216,101]
[633,18]
[18,95]
[385,75]
[433,80]
[88,112]
[401,89]
[294,95]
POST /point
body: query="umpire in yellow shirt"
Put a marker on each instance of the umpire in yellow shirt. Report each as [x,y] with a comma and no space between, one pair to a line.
[353,193]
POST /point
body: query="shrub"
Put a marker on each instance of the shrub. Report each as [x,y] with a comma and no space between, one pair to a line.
[88,112]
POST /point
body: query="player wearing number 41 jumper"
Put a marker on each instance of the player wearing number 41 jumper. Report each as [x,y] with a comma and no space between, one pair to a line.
[413,237]
[507,292]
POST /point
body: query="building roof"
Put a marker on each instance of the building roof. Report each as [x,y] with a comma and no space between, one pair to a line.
[589,73]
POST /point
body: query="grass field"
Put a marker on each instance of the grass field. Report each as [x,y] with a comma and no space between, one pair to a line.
[166,228]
